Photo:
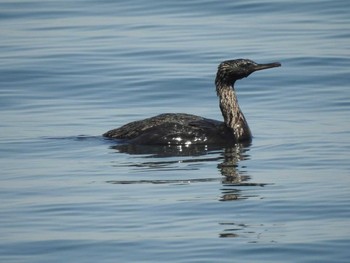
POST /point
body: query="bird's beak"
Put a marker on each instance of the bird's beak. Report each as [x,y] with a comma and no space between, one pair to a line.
[267,66]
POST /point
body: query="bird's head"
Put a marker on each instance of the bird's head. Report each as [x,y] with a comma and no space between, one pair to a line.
[231,70]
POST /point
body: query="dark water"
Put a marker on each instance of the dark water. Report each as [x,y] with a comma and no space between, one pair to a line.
[71,70]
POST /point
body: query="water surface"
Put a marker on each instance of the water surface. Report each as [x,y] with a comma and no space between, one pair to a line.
[70,71]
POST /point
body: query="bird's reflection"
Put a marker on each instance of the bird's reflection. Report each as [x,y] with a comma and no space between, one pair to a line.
[234,176]
[165,150]
[162,157]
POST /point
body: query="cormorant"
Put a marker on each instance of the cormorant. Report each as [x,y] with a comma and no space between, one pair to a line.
[185,129]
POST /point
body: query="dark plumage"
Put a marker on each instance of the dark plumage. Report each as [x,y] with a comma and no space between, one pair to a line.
[184,129]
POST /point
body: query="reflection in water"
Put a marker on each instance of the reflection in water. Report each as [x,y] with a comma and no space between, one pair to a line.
[167,156]
[240,230]
[231,229]
[165,150]
[234,180]
[170,157]
[232,176]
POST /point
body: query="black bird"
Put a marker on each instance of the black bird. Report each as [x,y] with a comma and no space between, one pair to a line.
[186,129]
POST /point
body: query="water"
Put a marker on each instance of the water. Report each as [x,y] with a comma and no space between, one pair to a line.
[71,70]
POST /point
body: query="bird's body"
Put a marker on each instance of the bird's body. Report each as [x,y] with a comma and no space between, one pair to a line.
[185,129]
[174,129]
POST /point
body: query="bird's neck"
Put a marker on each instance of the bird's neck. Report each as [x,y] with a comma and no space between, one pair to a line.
[233,116]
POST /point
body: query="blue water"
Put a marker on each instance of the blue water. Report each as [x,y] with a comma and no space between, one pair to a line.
[71,70]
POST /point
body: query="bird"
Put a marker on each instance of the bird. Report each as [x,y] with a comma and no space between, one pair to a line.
[188,129]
